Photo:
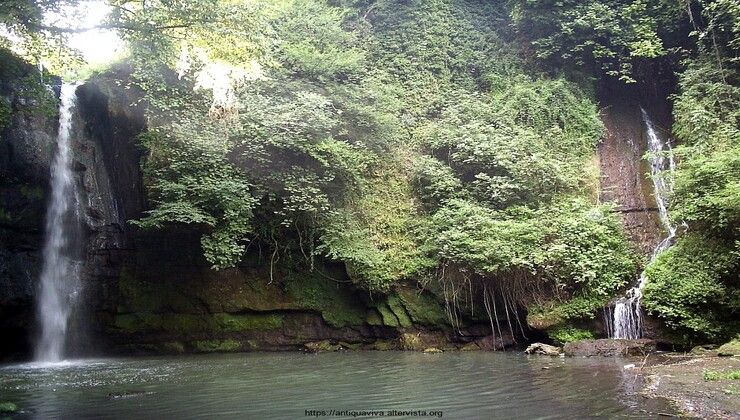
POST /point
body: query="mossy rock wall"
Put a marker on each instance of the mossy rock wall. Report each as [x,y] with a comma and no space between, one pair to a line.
[168,300]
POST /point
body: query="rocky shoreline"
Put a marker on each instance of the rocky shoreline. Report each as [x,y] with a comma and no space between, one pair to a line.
[700,386]
[704,383]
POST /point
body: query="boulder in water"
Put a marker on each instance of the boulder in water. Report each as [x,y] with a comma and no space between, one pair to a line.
[609,347]
[543,349]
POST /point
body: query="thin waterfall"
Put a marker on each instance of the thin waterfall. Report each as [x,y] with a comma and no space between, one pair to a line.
[60,280]
[626,317]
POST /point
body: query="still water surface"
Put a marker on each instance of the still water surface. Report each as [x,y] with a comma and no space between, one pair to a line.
[286,385]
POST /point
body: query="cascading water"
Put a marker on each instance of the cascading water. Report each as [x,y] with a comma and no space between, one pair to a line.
[627,315]
[59,283]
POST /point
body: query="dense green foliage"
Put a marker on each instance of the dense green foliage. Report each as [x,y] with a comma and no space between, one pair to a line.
[396,147]
[444,142]
[695,286]
[608,35]
[35,38]
[690,286]
[566,334]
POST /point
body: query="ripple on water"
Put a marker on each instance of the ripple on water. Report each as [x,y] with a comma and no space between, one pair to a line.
[260,385]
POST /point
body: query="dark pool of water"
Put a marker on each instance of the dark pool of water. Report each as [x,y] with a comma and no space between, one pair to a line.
[460,385]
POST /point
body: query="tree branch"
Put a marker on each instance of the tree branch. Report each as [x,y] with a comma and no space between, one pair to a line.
[58,29]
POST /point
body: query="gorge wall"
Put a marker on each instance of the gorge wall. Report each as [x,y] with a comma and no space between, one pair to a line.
[152,291]
[625,172]
[29,119]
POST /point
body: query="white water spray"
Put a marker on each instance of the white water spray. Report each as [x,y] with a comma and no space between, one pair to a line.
[627,316]
[60,273]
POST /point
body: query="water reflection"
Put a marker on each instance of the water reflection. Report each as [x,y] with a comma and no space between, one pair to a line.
[286,385]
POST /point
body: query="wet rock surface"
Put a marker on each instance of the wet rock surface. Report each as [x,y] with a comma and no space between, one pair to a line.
[623,174]
[543,349]
[27,144]
[609,348]
[27,140]
[700,386]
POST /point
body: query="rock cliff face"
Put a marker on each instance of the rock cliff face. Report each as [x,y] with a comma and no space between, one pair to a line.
[168,300]
[625,174]
[28,123]
[152,291]
[27,142]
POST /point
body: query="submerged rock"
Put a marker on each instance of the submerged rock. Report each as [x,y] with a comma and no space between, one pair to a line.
[609,347]
[422,340]
[543,349]
[323,345]
[384,345]
[470,347]
[124,395]
[8,408]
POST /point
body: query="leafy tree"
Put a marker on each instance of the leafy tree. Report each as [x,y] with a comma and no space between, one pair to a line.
[606,35]
[693,287]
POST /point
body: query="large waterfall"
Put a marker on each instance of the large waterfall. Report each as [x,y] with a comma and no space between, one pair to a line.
[60,284]
[626,319]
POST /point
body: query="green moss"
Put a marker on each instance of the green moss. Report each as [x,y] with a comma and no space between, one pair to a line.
[188,323]
[337,304]
[389,318]
[214,346]
[422,308]
[8,408]
[730,349]
[194,323]
[142,295]
[175,347]
[247,322]
[170,322]
[373,317]
[566,334]
[384,345]
[32,192]
[237,290]
[394,303]
[135,295]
